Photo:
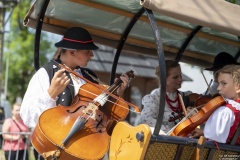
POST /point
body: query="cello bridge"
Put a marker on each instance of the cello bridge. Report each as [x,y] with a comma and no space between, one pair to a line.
[90,110]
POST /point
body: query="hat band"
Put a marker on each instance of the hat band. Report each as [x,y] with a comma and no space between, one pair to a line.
[72,40]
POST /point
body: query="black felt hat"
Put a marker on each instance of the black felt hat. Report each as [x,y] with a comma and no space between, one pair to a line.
[77,38]
[222,59]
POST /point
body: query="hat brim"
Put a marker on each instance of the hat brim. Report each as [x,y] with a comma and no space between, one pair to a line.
[212,69]
[77,46]
[217,68]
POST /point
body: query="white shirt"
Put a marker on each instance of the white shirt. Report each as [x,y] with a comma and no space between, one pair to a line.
[36,99]
[218,125]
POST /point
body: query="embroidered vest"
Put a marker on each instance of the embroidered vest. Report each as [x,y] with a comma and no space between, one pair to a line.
[235,124]
[66,97]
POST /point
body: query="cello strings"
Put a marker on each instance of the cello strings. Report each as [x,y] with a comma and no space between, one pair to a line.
[108,100]
[137,110]
[134,111]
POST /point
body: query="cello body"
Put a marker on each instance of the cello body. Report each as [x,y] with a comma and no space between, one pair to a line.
[89,142]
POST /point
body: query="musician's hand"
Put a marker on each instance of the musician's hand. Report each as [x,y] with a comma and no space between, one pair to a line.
[196,133]
[124,85]
[58,84]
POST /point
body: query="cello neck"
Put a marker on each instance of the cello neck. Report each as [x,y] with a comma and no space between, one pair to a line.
[118,83]
[115,86]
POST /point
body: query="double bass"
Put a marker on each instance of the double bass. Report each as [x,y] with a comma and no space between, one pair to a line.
[81,131]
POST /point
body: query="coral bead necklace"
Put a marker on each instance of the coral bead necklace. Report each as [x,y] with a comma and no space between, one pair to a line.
[178,107]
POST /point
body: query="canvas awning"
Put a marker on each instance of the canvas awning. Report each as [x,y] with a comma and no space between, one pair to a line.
[142,65]
[107,20]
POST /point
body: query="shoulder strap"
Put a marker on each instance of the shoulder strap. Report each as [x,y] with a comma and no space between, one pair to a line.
[17,125]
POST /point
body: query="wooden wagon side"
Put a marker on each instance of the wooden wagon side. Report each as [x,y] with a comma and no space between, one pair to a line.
[128,142]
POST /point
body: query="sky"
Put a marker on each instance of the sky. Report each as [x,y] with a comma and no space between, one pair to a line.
[198,85]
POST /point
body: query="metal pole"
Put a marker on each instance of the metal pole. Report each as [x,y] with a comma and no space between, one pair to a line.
[2,29]
[6,78]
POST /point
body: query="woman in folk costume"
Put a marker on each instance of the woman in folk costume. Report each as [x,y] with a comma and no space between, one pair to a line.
[173,106]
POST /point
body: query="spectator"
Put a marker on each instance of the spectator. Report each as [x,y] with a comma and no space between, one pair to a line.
[15,145]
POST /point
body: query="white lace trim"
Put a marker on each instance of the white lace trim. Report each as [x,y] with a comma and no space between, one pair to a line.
[234,104]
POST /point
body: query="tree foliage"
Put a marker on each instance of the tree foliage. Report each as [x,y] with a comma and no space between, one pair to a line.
[233,1]
[19,50]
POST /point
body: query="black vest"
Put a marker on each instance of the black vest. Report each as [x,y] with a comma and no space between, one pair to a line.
[66,97]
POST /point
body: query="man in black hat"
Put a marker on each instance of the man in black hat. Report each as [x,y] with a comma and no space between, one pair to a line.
[52,85]
[222,59]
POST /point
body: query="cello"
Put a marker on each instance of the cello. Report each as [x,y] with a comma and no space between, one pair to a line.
[80,131]
[190,122]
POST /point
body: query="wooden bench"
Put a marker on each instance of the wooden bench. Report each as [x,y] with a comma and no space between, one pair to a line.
[137,143]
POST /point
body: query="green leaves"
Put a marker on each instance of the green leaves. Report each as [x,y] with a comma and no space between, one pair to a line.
[19,51]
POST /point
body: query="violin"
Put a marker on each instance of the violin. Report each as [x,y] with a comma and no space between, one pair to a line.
[189,123]
[193,100]
[80,131]
[174,118]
